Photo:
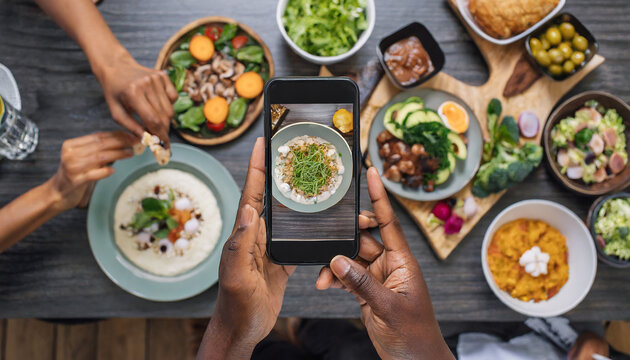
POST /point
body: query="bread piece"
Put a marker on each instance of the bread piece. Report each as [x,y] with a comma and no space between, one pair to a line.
[502,19]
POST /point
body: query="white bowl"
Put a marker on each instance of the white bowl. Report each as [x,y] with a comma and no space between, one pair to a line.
[582,257]
[462,5]
[327,60]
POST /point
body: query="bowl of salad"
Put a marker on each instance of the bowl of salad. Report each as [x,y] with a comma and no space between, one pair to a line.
[219,68]
[609,224]
[324,32]
[585,143]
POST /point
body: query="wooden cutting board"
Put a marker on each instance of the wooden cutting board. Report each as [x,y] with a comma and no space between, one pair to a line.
[540,98]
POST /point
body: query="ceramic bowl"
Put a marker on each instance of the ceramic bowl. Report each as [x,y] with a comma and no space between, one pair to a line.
[611,260]
[582,257]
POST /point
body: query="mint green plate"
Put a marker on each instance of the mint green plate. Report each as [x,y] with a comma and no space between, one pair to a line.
[100,224]
[325,132]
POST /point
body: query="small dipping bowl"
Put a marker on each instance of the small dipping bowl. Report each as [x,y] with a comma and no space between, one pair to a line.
[610,260]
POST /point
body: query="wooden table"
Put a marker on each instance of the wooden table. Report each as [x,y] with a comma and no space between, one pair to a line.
[52,273]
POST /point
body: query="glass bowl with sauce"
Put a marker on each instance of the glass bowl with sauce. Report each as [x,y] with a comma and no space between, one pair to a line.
[410,56]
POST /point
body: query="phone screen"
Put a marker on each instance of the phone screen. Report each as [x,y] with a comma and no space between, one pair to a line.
[312,172]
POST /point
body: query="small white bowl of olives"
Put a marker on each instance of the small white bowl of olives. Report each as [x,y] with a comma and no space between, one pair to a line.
[561,47]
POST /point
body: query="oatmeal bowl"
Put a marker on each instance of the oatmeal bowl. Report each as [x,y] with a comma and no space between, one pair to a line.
[312,167]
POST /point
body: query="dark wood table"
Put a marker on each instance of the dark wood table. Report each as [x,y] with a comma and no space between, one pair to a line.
[52,273]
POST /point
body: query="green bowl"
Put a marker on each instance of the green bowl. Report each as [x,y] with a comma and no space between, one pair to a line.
[100,224]
[312,129]
[464,169]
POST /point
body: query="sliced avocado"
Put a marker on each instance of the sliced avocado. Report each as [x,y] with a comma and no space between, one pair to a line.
[407,109]
[459,148]
[433,116]
[451,160]
[414,99]
[415,118]
[441,176]
[388,120]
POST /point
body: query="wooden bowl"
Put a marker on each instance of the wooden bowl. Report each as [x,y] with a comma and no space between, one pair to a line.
[568,108]
[255,106]
[610,260]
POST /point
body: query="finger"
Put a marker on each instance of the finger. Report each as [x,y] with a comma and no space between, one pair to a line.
[164,104]
[370,249]
[149,117]
[125,119]
[102,141]
[171,92]
[391,232]
[358,280]
[325,279]
[161,128]
[254,188]
[367,220]
[109,156]
[237,251]
[96,174]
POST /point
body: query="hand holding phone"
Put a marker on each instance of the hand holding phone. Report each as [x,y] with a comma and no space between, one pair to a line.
[388,283]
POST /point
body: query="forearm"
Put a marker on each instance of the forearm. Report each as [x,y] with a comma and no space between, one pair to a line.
[84,23]
[219,343]
[26,213]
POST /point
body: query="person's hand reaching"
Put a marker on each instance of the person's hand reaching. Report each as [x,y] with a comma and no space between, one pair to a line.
[85,160]
[132,88]
[251,287]
[388,284]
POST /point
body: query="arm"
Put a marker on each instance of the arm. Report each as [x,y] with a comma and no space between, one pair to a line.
[128,87]
[83,161]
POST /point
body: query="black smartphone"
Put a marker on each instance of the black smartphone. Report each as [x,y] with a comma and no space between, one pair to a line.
[312,160]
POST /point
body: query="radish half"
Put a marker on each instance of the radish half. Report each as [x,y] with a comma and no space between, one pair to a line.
[528,124]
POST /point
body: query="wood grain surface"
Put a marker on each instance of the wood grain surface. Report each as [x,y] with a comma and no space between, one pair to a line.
[52,273]
[539,98]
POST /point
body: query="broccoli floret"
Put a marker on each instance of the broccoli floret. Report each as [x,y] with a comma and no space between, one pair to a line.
[518,170]
[533,153]
[499,178]
[508,130]
[478,190]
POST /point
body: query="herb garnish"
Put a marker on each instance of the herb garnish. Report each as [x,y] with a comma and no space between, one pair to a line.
[434,137]
[310,169]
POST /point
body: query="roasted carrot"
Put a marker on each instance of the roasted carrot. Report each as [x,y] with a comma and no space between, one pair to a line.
[249,85]
[216,110]
[201,47]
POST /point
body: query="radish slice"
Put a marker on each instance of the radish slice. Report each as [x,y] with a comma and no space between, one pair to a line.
[528,124]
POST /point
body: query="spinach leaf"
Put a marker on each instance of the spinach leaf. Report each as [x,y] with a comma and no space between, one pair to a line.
[192,118]
[171,223]
[177,76]
[181,58]
[140,220]
[252,53]
[583,137]
[229,31]
[183,103]
[162,233]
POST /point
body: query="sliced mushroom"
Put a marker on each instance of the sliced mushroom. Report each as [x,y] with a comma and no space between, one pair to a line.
[202,73]
[213,79]
[219,89]
[239,69]
[207,91]
[226,82]
[229,92]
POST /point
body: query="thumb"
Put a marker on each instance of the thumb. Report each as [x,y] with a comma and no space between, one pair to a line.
[236,251]
[360,282]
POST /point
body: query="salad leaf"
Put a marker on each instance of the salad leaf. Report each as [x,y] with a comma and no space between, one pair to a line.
[324,27]
[434,137]
[181,58]
[171,223]
[238,108]
[183,103]
[192,118]
[161,234]
[177,75]
[229,31]
[252,54]
[583,137]
[141,220]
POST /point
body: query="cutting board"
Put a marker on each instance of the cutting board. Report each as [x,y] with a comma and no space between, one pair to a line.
[540,98]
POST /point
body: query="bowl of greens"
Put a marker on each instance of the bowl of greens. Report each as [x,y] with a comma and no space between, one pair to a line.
[324,32]
[609,223]
[219,68]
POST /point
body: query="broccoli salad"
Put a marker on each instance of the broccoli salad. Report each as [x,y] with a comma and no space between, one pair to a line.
[613,227]
[591,145]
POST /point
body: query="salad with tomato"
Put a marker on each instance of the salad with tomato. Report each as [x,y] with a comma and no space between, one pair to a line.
[219,71]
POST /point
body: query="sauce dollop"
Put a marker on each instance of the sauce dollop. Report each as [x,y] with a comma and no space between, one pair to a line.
[407,60]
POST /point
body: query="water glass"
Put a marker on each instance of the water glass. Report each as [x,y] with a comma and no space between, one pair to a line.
[18,134]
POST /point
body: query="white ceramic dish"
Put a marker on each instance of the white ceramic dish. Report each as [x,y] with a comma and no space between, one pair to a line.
[582,257]
[327,60]
[9,89]
[462,5]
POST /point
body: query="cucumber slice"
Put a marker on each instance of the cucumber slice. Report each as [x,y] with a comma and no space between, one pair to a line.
[389,122]
[433,116]
[401,115]
[415,118]
[441,176]
[459,148]
[451,160]
[414,99]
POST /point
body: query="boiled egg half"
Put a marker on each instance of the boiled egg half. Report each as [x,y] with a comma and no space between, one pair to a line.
[454,116]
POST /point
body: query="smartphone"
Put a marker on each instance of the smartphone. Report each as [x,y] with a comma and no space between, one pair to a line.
[312,160]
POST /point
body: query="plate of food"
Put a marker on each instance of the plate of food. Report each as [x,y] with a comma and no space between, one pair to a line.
[503,22]
[426,144]
[609,222]
[538,258]
[157,231]
[219,67]
[585,142]
[312,166]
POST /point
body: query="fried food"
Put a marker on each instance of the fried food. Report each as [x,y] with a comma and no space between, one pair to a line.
[506,18]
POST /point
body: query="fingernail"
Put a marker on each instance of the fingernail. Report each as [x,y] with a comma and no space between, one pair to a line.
[340,266]
[247,216]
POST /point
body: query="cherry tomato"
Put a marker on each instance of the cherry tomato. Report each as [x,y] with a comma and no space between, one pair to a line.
[213,32]
[215,127]
[239,41]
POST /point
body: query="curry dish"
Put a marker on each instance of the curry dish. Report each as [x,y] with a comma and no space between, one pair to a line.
[509,243]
